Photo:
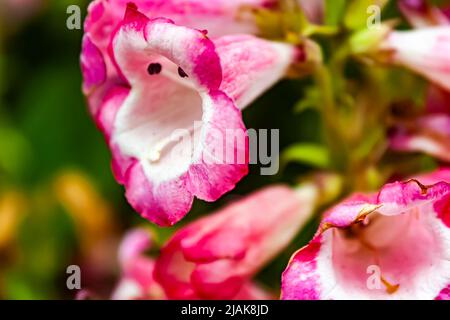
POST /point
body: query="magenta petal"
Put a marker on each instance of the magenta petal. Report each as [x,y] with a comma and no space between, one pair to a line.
[216,256]
[442,208]
[164,204]
[444,294]
[251,65]
[438,100]
[219,17]
[300,280]
[209,179]
[92,65]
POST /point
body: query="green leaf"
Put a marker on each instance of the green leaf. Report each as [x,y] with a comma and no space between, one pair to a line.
[306,153]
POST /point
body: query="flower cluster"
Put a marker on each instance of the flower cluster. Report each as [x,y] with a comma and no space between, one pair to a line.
[152,68]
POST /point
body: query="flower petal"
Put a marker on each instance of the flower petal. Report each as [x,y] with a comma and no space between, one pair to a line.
[420,14]
[92,65]
[137,280]
[134,244]
[219,17]
[251,65]
[444,294]
[429,134]
[425,51]
[399,238]
[300,280]
[205,260]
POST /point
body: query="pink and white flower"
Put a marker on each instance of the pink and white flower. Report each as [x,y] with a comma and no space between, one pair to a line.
[428,133]
[403,232]
[162,86]
[425,51]
[137,280]
[217,256]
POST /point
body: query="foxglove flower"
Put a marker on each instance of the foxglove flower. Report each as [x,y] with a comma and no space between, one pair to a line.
[425,51]
[216,257]
[428,133]
[391,245]
[137,280]
[170,110]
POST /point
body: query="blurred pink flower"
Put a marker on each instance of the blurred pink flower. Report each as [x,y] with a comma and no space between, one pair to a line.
[390,245]
[430,132]
[425,51]
[217,256]
[137,280]
[159,78]
[420,13]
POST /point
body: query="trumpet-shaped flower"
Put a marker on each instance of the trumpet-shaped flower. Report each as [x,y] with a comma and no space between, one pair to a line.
[170,111]
[216,256]
[391,245]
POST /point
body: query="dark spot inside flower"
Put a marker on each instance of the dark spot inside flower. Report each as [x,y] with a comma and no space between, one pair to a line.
[182,73]
[154,68]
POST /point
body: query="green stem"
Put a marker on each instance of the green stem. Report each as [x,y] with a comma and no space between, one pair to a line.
[330,116]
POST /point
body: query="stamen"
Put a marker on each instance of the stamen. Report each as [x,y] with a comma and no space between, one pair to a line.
[390,288]
[155,153]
